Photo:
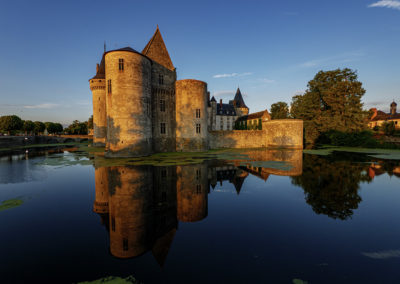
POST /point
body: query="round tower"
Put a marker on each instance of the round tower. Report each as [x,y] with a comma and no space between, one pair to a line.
[98,88]
[128,92]
[191,115]
[192,190]
[131,210]
[100,205]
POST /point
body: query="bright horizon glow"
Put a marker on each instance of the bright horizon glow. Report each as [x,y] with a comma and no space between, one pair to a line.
[270,49]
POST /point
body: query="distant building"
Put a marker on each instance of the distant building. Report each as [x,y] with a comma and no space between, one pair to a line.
[252,121]
[379,117]
[223,116]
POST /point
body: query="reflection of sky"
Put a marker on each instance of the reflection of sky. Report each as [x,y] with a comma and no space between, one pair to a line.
[266,234]
[17,171]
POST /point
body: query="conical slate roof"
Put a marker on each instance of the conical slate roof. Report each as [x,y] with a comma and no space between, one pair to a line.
[239,99]
[101,72]
[157,51]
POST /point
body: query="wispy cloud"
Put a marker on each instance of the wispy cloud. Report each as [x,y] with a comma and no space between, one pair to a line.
[229,75]
[385,254]
[42,106]
[392,4]
[337,59]
[224,93]
[267,80]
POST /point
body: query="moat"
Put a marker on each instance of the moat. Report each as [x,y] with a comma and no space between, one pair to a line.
[256,216]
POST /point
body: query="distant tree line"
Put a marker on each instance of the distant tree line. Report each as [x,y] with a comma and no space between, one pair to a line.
[12,124]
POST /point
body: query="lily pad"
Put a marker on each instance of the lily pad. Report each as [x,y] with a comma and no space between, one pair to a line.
[10,203]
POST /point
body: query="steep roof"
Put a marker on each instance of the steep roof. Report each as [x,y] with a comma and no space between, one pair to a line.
[226,109]
[101,72]
[254,115]
[239,99]
[157,51]
[393,104]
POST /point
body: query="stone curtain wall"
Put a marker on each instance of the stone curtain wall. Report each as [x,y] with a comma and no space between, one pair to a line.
[282,133]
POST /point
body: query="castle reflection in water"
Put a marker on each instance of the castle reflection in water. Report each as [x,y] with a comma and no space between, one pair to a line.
[141,206]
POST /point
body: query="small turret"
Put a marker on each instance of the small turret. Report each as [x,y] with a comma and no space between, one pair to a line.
[393,108]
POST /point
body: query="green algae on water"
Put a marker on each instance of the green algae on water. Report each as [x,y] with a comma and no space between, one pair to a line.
[113,280]
[389,154]
[10,203]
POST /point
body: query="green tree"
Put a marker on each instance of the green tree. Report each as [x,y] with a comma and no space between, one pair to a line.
[388,128]
[28,126]
[39,127]
[77,127]
[58,128]
[332,101]
[11,123]
[279,110]
[51,127]
[90,122]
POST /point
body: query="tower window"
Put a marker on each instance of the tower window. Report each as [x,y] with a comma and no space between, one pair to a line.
[113,224]
[198,188]
[162,127]
[197,113]
[198,128]
[121,64]
[125,244]
[109,86]
[160,79]
[162,105]
[198,174]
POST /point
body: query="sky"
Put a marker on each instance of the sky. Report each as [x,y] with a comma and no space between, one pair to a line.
[270,49]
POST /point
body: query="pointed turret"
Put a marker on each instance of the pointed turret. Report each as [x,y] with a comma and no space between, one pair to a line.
[240,106]
[157,51]
[239,99]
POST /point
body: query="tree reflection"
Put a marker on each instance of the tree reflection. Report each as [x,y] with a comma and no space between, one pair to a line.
[331,186]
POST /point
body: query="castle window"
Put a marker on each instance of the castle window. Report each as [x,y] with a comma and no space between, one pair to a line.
[125,244]
[121,64]
[160,79]
[198,128]
[198,189]
[109,86]
[113,223]
[162,127]
[162,105]
[197,113]
[198,174]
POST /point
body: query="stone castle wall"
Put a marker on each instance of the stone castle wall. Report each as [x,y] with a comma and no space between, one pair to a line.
[282,133]
[98,87]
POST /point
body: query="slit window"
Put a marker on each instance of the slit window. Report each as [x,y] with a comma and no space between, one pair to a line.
[162,105]
[198,128]
[121,64]
[109,86]
[162,127]
[198,113]
[198,174]
[125,244]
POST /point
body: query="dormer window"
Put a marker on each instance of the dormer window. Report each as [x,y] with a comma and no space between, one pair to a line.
[121,64]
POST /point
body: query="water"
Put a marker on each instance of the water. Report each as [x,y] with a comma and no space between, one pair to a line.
[332,219]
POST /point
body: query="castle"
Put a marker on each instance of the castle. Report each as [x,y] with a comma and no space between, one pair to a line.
[140,108]
[379,117]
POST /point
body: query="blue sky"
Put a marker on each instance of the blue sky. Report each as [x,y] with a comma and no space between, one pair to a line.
[271,49]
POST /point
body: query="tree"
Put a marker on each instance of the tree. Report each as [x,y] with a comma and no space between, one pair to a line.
[58,128]
[279,110]
[39,127]
[90,122]
[28,126]
[51,127]
[388,128]
[11,123]
[331,102]
[77,127]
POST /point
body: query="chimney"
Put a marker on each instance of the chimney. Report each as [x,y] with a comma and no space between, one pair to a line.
[220,103]
[375,113]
